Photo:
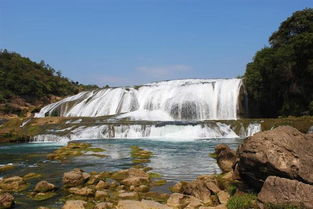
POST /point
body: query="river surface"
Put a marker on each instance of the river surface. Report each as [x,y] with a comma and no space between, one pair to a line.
[174,160]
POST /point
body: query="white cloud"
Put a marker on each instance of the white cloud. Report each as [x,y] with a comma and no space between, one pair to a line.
[163,71]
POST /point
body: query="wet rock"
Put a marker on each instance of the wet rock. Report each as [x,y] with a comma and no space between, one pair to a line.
[14,184]
[42,195]
[225,157]
[6,200]
[44,186]
[283,152]
[281,191]
[104,205]
[85,191]
[32,176]
[75,177]
[6,167]
[74,204]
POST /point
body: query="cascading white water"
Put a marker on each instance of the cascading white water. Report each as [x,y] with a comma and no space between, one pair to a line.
[164,132]
[190,99]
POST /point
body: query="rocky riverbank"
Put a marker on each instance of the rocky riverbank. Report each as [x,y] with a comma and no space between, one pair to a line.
[270,170]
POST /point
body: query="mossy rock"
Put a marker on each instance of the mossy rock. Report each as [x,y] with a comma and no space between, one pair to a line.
[160,182]
[30,176]
[42,195]
[154,175]
[6,167]
[95,149]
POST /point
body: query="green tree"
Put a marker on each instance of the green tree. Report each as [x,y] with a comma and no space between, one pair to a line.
[279,80]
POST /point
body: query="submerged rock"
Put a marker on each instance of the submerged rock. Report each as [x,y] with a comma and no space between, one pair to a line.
[281,191]
[6,200]
[283,152]
[225,157]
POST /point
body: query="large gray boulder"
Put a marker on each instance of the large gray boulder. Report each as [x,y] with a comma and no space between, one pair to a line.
[281,191]
[283,152]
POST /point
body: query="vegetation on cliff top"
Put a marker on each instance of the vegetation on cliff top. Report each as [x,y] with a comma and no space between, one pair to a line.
[24,83]
[279,79]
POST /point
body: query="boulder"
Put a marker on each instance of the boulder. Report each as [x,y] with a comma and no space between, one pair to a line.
[281,191]
[6,200]
[74,204]
[225,157]
[283,152]
[44,186]
[75,177]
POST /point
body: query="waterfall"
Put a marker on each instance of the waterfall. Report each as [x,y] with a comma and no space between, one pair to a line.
[169,132]
[190,99]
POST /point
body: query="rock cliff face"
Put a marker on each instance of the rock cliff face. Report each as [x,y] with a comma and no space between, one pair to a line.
[283,152]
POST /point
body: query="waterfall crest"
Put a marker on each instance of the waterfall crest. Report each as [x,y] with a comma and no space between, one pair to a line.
[189,99]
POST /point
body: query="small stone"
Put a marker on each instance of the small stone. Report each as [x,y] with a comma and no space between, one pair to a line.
[6,200]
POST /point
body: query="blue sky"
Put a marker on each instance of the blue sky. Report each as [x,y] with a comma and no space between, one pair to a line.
[125,42]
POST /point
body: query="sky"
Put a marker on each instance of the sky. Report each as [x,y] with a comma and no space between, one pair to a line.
[131,42]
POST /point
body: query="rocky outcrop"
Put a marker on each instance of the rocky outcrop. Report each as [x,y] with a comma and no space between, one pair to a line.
[225,157]
[6,200]
[283,152]
[281,191]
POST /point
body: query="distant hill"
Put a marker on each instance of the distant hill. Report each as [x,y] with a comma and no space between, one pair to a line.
[25,85]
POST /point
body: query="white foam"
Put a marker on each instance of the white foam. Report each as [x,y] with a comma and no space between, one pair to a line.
[190,99]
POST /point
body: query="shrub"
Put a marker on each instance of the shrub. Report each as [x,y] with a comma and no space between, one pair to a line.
[242,201]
